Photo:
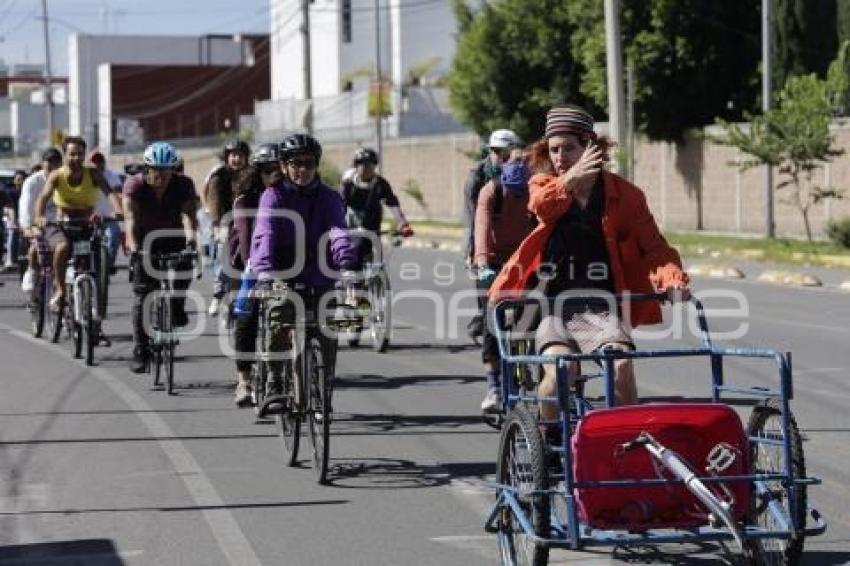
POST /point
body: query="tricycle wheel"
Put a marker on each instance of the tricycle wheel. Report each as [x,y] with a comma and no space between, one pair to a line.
[769,458]
[522,466]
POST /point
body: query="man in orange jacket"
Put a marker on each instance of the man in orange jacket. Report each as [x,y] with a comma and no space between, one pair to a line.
[595,236]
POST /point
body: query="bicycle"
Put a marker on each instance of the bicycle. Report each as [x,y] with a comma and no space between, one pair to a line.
[368,296]
[38,302]
[702,476]
[80,316]
[163,338]
[307,393]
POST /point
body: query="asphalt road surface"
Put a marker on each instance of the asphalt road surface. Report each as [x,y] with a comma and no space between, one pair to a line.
[97,468]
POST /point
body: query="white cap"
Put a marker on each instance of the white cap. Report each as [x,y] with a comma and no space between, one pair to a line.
[504,139]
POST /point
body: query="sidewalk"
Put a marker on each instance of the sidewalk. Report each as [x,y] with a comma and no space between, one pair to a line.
[704,262]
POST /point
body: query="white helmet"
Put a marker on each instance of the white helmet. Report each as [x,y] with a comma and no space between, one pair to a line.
[504,139]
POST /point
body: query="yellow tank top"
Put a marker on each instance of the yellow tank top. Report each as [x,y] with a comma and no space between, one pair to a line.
[79,197]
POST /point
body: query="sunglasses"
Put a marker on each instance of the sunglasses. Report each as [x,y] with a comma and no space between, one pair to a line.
[302,163]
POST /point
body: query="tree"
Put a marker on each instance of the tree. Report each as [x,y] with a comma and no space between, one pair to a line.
[806,37]
[513,62]
[794,136]
[693,60]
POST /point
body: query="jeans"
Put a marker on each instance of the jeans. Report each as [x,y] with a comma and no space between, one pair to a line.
[11,245]
[112,236]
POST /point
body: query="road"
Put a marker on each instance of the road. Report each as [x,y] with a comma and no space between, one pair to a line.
[96,468]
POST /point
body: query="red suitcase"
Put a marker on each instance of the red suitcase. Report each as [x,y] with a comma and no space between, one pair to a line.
[692,430]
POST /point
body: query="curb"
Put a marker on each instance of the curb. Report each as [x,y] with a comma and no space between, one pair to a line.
[791,278]
[715,271]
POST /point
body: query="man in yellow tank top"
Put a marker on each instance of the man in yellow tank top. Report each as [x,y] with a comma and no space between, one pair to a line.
[75,190]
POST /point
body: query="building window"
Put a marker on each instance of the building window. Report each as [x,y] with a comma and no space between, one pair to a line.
[346,21]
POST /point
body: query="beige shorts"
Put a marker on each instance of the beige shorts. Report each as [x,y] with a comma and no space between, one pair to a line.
[583,331]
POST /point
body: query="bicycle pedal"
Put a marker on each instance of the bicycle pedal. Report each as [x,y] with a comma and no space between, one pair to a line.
[274,405]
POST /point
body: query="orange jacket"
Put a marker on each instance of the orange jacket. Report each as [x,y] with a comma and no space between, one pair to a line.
[641,260]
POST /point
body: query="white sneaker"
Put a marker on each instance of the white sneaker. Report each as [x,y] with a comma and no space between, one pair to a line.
[492,402]
[215,303]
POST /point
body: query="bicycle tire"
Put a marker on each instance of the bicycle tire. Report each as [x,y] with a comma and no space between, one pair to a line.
[156,345]
[318,406]
[168,362]
[103,282]
[784,552]
[166,346]
[87,326]
[54,319]
[522,465]
[289,421]
[381,319]
[38,316]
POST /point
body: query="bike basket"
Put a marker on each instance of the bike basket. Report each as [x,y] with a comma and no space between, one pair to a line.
[702,434]
[82,247]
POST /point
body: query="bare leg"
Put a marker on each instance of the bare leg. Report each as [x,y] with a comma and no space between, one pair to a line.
[60,264]
[548,385]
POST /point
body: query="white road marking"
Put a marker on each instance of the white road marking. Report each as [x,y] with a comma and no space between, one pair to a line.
[231,540]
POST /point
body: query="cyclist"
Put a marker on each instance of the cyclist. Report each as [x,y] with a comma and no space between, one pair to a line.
[499,148]
[363,192]
[75,190]
[33,185]
[265,161]
[274,246]
[112,228]
[596,236]
[157,200]
[218,194]
[502,222]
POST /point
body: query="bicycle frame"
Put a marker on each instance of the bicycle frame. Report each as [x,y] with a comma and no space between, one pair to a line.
[570,532]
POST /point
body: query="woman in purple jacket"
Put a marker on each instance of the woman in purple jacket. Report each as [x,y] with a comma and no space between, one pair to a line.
[300,236]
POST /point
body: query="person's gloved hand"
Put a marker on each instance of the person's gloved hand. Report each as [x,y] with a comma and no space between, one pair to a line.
[406,230]
[486,274]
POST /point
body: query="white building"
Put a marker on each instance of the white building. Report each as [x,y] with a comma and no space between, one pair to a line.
[86,53]
[414,35]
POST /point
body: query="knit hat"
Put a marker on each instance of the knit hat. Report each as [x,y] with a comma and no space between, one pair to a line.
[569,119]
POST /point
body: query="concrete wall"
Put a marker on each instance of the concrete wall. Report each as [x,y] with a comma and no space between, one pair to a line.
[673,179]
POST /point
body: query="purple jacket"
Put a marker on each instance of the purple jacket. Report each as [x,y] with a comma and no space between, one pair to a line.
[322,211]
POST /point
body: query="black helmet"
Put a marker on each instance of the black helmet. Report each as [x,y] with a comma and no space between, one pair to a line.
[300,143]
[265,153]
[51,154]
[236,145]
[365,155]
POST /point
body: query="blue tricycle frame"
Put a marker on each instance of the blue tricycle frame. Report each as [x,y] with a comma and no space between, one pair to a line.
[525,537]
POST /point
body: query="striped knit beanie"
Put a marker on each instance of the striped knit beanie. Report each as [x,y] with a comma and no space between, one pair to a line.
[569,119]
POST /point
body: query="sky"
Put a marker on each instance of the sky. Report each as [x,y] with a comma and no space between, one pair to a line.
[22,35]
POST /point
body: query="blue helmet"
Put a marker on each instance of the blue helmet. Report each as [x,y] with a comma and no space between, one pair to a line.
[160,155]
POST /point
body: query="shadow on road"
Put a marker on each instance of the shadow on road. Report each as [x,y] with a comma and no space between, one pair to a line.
[384,473]
[172,509]
[355,424]
[374,381]
[92,552]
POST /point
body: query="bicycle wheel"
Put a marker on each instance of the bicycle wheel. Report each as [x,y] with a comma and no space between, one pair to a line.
[103,282]
[54,318]
[75,325]
[289,420]
[168,363]
[318,405]
[766,423]
[379,288]
[156,343]
[522,466]
[37,307]
[166,347]
[87,326]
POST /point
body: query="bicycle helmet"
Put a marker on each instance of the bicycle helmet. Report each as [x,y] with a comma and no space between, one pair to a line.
[297,144]
[365,155]
[265,153]
[237,145]
[160,155]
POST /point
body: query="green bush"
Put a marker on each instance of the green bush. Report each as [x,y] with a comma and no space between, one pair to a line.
[839,231]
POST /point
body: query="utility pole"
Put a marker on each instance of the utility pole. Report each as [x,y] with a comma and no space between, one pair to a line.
[766,89]
[379,87]
[48,92]
[614,60]
[308,84]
